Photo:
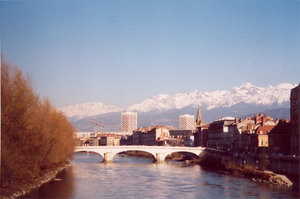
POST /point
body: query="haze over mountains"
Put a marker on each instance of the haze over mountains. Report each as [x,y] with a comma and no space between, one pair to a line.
[165,109]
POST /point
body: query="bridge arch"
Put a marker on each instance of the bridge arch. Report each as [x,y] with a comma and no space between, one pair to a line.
[90,151]
[184,153]
[138,153]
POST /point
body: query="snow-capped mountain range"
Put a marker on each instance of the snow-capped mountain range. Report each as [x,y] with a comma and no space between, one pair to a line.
[246,93]
[89,109]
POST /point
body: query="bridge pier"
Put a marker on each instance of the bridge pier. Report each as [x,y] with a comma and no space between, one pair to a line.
[108,157]
[159,158]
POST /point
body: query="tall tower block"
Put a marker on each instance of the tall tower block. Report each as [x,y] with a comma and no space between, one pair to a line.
[129,121]
[186,122]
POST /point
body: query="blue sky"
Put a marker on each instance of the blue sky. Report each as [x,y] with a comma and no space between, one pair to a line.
[121,52]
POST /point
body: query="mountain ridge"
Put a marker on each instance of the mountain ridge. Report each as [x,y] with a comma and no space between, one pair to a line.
[245,93]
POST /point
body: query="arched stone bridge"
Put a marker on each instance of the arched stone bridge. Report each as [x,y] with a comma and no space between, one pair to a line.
[159,152]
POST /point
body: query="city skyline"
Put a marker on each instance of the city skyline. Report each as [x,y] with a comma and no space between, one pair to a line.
[121,53]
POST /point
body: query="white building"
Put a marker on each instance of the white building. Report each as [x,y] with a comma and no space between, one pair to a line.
[186,122]
[85,134]
[129,121]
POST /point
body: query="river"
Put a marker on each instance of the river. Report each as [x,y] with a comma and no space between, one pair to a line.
[138,177]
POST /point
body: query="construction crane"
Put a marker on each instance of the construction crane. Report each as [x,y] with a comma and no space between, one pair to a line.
[96,124]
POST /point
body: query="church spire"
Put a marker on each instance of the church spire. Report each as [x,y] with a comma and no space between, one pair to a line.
[199,120]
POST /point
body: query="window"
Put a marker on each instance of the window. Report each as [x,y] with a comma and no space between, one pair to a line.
[225,129]
[261,142]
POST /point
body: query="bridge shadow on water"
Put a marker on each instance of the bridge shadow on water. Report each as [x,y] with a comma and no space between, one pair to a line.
[134,157]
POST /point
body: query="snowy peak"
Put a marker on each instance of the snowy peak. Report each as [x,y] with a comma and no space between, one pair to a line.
[246,85]
[88,109]
[246,88]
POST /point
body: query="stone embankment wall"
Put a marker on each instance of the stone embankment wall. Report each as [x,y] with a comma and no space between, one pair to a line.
[286,165]
[279,164]
[252,166]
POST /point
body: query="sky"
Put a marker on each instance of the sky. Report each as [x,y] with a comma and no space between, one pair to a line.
[122,52]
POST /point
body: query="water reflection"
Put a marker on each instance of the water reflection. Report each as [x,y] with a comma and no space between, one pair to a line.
[123,158]
[138,177]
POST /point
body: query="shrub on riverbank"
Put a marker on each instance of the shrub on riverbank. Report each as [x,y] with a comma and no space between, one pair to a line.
[34,135]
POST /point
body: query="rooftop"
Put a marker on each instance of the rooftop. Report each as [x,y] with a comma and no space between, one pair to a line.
[226,118]
[127,113]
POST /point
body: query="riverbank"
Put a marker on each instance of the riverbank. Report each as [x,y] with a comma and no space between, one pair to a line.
[23,189]
[225,162]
